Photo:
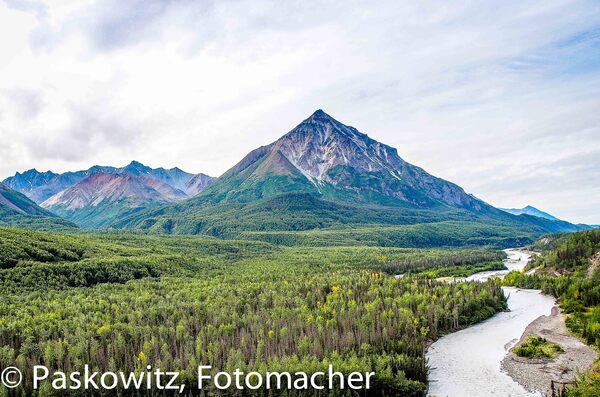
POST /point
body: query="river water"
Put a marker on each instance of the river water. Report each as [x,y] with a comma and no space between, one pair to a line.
[467,363]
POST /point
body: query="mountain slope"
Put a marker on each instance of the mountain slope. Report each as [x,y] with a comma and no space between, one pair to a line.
[198,183]
[39,186]
[529,210]
[18,203]
[101,198]
[18,210]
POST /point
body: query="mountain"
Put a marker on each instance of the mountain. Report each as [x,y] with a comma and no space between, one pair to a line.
[39,186]
[334,161]
[323,175]
[17,210]
[99,199]
[173,177]
[198,183]
[529,210]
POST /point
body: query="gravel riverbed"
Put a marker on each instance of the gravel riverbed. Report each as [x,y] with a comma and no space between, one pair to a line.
[537,374]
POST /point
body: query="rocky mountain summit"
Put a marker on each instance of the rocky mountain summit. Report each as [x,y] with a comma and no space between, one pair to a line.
[336,161]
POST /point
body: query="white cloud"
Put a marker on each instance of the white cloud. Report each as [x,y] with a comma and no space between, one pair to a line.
[501,99]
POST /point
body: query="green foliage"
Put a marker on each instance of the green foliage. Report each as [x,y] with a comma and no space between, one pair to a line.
[120,300]
[588,384]
[537,347]
[461,270]
[547,242]
[423,235]
[571,253]
[19,245]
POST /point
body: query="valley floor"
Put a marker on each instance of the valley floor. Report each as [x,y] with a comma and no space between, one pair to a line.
[124,300]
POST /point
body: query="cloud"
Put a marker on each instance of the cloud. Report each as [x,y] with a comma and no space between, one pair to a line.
[34,7]
[27,103]
[501,99]
[87,131]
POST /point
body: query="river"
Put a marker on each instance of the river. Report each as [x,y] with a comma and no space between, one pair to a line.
[467,362]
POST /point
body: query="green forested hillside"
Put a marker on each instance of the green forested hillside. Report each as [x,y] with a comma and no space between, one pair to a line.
[288,212]
[9,217]
[304,219]
[11,200]
[17,210]
[121,300]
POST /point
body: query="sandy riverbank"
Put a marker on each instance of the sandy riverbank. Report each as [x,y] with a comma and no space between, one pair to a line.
[536,374]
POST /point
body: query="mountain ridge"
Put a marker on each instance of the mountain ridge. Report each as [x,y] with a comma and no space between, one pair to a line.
[320,174]
[530,210]
[102,197]
[39,186]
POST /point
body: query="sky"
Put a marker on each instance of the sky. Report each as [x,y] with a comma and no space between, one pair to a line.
[502,98]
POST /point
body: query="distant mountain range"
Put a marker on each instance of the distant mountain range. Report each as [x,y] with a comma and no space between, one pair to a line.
[101,198]
[529,210]
[40,186]
[96,197]
[320,175]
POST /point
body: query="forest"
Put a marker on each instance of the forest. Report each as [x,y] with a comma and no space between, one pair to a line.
[569,269]
[124,300]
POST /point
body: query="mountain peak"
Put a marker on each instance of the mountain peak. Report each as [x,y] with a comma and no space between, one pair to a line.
[530,210]
[320,144]
[320,113]
[135,164]
[34,171]
[319,116]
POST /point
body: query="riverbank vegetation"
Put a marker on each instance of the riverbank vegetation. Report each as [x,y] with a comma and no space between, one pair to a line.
[460,271]
[121,301]
[570,271]
[537,347]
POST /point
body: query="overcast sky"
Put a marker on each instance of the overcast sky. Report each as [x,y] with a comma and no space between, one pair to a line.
[502,98]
